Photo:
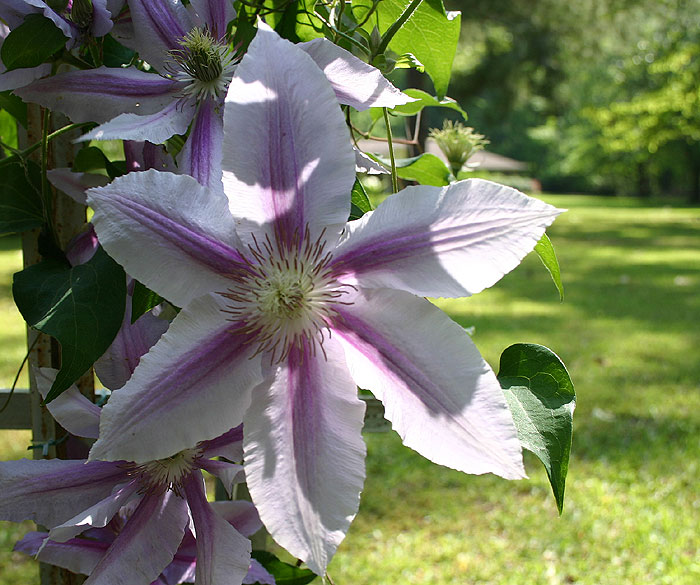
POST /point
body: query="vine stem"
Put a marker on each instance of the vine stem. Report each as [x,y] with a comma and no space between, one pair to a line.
[20,154]
[394,28]
[394,177]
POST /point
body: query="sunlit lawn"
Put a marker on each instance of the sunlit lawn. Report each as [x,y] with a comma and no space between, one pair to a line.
[629,332]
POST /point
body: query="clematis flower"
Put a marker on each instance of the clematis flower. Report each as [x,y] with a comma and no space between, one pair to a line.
[83,554]
[76,20]
[188,46]
[74,496]
[287,308]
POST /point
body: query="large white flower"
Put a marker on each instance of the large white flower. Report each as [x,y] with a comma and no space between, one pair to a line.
[287,308]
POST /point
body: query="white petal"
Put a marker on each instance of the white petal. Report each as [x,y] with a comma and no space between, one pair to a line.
[443,242]
[159,225]
[193,385]
[304,454]
[355,83]
[287,158]
[440,395]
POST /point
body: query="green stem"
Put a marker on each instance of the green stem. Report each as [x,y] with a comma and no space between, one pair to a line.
[45,190]
[394,28]
[20,154]
[394,177]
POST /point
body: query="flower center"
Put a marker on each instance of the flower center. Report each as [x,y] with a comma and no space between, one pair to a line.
[288,296]
[204,63]
[164,474]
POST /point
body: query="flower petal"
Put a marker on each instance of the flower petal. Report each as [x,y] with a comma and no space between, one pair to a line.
[438,392]
[156,128]
[146,544]
[258,574]
[73,411]
[241,514]
[193,385]
[159,26]
[304,454]
[279,167]
[215,15]
[229,445]
[201,156]
[229,473]
[98,95]
[355,83]
[75,184]
[50,491]
[365,164]
[21,77]
[97,516]
[79,555]
[443,242]
[223,554]
[101,18]
[159,224]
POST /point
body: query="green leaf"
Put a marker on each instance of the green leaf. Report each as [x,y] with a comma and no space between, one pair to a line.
[284,573]
[82,307]
[14,106]
[115,54]
[425,100]
[31,43]
[20,200]
[541,399]
[359,204]
[426,168]
[92,158]
[545,250]
[143,300]
[430,34]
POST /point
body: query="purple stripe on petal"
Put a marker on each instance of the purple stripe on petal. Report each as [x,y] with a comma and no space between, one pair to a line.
[223,554]
[52,491]
[201,156]
[214,14]
[79,555]
[148,541]
[229,445]
[159,26]
[241,514]
[195,383]
[100,94]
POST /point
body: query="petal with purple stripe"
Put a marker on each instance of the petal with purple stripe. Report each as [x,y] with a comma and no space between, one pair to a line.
[51,491]
[98,95]
[355,83]
[228,473]
[175,118]
[146,544]
[159,26]
[229,445]
[159,224]
[280,168]
[21,77]
[79,555]
[193,385]
[440,395]
[241,514]
[201,156]
[214,14]
[304,454]
[73,411]
[97,516]
[443,242]
[223,554]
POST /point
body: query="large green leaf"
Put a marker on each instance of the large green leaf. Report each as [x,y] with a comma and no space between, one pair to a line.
[14,106]
[82,307]
[284,573]
[426,168]
[359,204]
[430,34]
[541,399]
[31,43]
[545,250]
[20,200]
[143,300]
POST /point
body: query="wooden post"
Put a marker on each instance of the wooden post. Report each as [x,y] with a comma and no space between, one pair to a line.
[68,219]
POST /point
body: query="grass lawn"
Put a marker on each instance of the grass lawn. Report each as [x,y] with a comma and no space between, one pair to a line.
[629,333]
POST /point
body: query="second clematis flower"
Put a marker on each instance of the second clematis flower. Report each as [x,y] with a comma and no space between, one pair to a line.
[287,307]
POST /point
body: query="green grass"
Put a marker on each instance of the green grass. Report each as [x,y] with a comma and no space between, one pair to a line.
[628,332]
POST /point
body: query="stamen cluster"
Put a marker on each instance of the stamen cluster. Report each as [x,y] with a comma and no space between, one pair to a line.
[287,296]
[205,63]
[167,474]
